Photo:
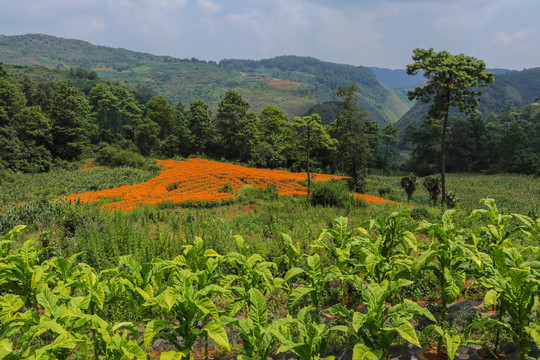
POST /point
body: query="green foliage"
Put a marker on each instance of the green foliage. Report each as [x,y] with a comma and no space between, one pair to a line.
[379,327]
[452,81]
[408,183]
[330,193]
[432,184]
[114,156]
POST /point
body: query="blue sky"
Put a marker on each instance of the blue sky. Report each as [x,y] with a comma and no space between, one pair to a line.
[383,33]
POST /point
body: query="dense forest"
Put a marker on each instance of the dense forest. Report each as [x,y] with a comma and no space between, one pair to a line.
[54,123]
[504,142]
[49,123]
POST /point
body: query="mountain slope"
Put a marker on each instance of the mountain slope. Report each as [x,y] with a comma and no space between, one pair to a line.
[294,83]
[520,87]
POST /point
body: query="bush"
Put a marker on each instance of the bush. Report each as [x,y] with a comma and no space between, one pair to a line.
[114,156]
[330,193]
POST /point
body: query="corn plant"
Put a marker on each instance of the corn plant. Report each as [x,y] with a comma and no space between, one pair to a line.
[380,326]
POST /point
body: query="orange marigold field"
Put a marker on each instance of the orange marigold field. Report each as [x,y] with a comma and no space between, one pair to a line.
[200,180]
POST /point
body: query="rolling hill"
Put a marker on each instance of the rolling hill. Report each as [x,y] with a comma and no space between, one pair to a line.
[294,83]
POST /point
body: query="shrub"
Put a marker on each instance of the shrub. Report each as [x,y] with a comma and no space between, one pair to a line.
[432,185]
[408,183]
[330,193]
[114,156]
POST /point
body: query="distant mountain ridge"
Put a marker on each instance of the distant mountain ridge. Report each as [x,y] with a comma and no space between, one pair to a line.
[520,87]
[294,83]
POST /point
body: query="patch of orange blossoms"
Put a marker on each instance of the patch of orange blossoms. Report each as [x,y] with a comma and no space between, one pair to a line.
[199,180]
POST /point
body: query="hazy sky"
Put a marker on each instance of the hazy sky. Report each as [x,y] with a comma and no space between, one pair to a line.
[503,33]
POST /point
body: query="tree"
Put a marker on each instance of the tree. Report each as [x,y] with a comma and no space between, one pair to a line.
[452,81]
[276,129]
[72,123]
[231,110]
[199,119]
[311,134]
[388,137]
[356,136]
[115,107]
[11,101]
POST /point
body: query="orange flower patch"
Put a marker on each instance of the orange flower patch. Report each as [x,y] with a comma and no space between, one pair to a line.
[200,181]
[374,199]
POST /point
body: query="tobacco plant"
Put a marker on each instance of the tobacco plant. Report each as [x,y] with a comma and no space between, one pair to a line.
[388,253]
[319,278]
[248,272]
[380,326]
[192,309]
[449,256]
[302,336]
[512,287]
[256,329]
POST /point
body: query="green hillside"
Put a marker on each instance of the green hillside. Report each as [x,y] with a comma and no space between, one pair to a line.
[520,87]
[293,83]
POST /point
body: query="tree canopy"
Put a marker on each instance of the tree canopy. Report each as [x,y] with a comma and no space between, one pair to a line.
[452,81]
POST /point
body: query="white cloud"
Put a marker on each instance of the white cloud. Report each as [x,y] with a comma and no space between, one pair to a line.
[209,6]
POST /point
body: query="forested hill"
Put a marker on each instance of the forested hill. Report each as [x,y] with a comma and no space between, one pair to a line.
[520,87]
[294,83]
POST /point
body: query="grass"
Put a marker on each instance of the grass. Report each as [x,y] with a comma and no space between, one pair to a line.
[18,187]
[512,193]
[159,231]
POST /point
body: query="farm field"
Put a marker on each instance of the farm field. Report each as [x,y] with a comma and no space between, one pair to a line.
[262,292]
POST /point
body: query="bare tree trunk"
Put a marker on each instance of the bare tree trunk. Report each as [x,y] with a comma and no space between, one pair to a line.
[443,148]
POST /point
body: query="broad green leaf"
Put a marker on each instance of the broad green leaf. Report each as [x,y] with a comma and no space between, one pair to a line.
[534,332]
[172,355]
[410,239]
[207,307]
[292,273]
[152,329]
[258,311]
[47,300]
[166,299]
[297,294]
[452,343]
[455,280]
[358,320]
[406,331]
[134,351]
[5,348]
[490,298]
[217,333]
[38,278]
[339,309]
[518,276]
[362,352]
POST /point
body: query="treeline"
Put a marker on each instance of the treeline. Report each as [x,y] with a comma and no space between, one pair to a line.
[53,123]
[505,142]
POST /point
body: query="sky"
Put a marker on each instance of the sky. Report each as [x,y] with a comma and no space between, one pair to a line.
[383,33]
